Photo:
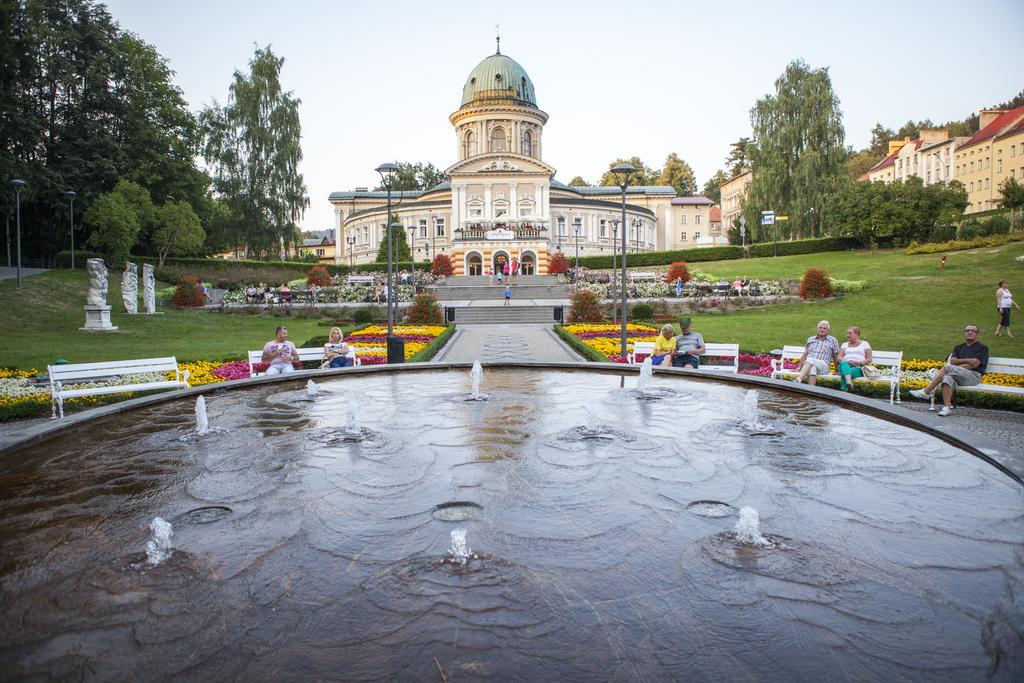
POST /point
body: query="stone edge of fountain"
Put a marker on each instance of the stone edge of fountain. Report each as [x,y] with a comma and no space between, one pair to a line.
[974,444]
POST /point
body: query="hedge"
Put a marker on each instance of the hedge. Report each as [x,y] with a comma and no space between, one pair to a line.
[211,264]
[588,352]
[811,246]
[431,349]
[960,245]
[665,258]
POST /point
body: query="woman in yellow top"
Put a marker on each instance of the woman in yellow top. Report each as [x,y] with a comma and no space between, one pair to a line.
[665,345]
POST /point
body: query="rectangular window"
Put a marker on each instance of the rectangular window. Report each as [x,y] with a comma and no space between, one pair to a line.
[423,228]
[986,183]
[1013,150]
[999,165]
[561,226]
[319,252]
[971,187]
[1011,173]
[683,219]
[696,219]
[604,228]
[439,228]
[682,237]
[696,236]
[500,213]
[929,177]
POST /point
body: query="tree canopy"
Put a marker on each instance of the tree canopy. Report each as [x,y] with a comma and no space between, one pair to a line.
[415,176]
[797,151]
[177,231]
[399,244]
[645,174]
[713,187]
[252,145]
[738,161]
[578,181]
[677,174]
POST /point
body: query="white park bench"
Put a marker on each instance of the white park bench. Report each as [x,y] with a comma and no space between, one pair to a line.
[643,277]
[1006,366]
[307,355]
[61,376]
[889,364]
[730,351]
[360,279]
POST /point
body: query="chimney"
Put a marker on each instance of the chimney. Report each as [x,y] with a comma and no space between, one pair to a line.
[934,135]
[362,189]
[987,116]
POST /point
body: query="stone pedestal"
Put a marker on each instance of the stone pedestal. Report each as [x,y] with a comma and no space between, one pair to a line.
[97,319]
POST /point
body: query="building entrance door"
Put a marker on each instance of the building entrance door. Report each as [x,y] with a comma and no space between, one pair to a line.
[529,264]
[500,259]
[474,264]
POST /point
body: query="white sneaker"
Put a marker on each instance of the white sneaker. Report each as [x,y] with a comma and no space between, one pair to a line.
[946,410]
[921,393]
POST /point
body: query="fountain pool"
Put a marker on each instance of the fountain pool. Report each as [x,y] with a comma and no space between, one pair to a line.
[601,527]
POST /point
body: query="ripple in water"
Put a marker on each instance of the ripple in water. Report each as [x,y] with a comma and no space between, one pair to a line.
[205,515]
[457,511]
[710,508]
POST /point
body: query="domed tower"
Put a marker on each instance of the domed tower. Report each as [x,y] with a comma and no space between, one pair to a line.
[499,111]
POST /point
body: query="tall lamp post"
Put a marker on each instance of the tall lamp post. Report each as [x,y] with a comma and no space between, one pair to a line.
[71,217]
[351,242]
[426,248]
[622,174]
[412,255]
[387,178]
[615,272]
[18,184]
[576,229]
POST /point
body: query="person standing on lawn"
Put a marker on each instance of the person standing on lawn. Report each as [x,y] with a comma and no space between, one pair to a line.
[819,352]
[964,369]
[1004,301]
[854,354]
[280,353]
[689,346]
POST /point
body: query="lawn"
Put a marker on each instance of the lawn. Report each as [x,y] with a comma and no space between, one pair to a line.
[42,322]
[910,305]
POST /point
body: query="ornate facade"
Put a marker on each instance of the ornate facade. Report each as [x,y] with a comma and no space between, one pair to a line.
[501,201]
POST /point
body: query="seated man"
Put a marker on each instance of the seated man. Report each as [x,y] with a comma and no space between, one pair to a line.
[964,369]
[819,353]
[280,353]
[689,346]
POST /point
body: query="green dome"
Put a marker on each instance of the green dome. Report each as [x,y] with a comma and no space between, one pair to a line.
[498,78]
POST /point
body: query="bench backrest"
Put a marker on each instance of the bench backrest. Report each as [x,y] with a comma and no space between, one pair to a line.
[360,279]
[646,348]
[792,352]
[722,350]
[643,276]
[305,355]
[890,359]
[1008,366]
[89,371]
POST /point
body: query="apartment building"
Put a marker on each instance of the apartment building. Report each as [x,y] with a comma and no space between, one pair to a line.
[991,156]
[733,194]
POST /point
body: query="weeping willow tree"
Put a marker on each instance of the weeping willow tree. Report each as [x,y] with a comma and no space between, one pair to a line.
[797,151]
[252,147]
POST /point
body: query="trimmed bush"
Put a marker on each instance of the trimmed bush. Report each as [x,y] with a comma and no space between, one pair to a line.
[188,293]
[424,309]
[641,312]
[676,271]
[585,307]
[811,246]
[430,350]
[442,265]
[664,258]
[366,314]
[318,275]
[588,352]
[816,284]
[960,245]
[559,264]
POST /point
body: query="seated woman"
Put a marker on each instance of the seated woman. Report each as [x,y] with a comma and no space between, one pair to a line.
[737,285]
[336,351]
[853,356]
[664,346]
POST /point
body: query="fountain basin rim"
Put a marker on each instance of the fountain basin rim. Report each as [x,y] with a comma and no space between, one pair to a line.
[961,439]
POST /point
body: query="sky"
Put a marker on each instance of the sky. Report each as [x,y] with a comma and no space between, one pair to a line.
[377,81]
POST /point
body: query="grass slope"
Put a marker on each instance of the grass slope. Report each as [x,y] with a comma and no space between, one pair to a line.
[911,304]
[41,322]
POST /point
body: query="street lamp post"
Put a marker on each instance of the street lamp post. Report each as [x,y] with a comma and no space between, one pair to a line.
[576,229]
[351,242]
[387,178]
[622,174]
[426,248]
[412,255]
[71,217]
[18,184]
[615,272]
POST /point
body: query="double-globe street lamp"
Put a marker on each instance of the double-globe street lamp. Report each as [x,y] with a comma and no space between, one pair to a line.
[412,255]
[71,217]
[576,229]
[387,178]
[622,173]
[18,184]
[615,272]
[351,242]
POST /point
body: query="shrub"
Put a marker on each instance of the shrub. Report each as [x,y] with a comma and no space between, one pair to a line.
[810,246]
[366,314]
[816,284]
[558,264]
[188,293]
[959,245]
[430,350]
[585,307]
[676,271]
[442,265]
[970,229]
[318,275]
[663,258]
[997,225]
[424,309]
[642,312]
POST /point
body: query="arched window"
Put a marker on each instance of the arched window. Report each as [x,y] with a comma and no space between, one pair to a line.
[498,140]
[470,144]
[527,143]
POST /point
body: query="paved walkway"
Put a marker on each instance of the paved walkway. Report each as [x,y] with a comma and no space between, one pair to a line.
[506,343]
[12,273]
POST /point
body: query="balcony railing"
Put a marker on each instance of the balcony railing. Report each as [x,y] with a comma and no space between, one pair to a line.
[479,231]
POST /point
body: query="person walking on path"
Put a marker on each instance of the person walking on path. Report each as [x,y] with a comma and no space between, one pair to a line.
[1004,302]
[508,294]
[964,369]
[854,354]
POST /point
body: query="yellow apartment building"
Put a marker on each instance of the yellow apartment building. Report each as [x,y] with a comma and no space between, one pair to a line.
[990,156]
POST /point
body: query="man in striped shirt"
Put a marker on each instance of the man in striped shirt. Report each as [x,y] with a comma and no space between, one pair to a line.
[819,352]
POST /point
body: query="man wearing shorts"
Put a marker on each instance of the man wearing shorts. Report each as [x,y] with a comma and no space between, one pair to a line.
[964,369]
[819,352]
[280,353]
[689,346]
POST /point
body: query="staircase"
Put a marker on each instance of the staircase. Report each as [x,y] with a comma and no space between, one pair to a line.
[502,315]
[476,288]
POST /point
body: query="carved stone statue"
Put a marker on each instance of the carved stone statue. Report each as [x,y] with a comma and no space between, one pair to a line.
[130,288]
[148,288]
[97,295]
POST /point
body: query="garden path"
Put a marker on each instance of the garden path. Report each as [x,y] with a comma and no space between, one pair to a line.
[506,343]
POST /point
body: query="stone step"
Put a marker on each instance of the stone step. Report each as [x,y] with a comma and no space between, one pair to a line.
[496,315]
[465,280]
[496,293]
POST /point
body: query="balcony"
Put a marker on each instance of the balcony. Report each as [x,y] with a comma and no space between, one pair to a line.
[500,231]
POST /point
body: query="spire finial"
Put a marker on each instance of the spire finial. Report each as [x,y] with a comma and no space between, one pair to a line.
[497,36]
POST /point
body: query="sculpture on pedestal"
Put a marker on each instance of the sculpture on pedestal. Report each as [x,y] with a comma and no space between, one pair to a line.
[148,288]
[130,288]
[97,312]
